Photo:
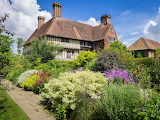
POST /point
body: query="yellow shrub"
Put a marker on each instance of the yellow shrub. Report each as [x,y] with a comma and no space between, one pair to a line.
[30,82]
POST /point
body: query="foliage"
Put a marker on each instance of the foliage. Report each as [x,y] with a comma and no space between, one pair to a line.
[9,110]
[20,43]
[150,109]
[5,52]
[137,54]
[107,60]
[14,74]
[29,83]
[55,67]
[61,112]
[147,70]
[119,76]
[41,48]
[120,49]
[5,43]
[84,57]
[25,75]
[71,89]
[2,26]
[140,71]
[157,53]
[117,102]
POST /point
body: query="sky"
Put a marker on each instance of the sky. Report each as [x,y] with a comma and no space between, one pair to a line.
[132,19]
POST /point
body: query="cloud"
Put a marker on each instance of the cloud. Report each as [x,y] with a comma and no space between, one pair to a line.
[120,36]
[126,43]
[152,28]
[22,16]
[91,21]
[126,12]
[134,33]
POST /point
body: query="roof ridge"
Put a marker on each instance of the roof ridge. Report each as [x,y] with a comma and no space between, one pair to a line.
[145,42]
[79,22]
[52,19]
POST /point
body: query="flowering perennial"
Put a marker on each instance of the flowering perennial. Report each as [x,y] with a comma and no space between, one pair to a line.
[119,75]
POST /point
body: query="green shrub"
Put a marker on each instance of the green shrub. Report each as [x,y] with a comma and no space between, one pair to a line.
[117,102]
[150,109]
[120,49]
[61,112]
[55,67]
[14,74]
[74,90]
[29,83]
[84,57]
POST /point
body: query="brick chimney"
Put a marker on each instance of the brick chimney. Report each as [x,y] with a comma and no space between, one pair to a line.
[56,9]
[41,21]
[105,19]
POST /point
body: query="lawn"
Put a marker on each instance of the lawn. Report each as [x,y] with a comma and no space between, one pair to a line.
[9,110]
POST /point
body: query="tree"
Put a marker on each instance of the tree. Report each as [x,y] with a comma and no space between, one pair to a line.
[20,43]
[2,26]
[5,51]
[119,48]
[41,48]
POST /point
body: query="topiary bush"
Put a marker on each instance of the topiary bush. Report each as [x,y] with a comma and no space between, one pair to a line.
[74,90]
[108,60]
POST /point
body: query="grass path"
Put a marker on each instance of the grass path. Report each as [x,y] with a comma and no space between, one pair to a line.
[28,101]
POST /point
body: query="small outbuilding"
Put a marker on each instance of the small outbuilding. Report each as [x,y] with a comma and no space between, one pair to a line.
[145,46]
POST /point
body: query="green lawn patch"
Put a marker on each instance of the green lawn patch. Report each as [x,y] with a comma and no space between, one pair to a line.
[9,110]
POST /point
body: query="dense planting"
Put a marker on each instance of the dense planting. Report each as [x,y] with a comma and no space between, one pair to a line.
[109,84]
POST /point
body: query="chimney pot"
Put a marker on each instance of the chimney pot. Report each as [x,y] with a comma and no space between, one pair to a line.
[41,21]
[106,19]
[56,9]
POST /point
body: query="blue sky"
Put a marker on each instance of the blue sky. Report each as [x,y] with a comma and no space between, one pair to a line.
[128,16]
[132,19]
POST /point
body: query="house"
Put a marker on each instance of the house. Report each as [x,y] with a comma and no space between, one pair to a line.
[146,46]
[73,36]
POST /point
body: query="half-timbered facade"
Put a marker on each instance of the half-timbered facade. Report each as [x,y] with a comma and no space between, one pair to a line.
[73,36]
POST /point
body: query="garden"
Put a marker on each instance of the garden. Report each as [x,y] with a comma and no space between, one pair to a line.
[109,84]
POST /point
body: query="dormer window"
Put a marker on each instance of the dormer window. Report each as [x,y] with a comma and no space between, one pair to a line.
[65,40]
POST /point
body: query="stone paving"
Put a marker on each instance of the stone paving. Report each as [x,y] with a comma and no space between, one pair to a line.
[28,101]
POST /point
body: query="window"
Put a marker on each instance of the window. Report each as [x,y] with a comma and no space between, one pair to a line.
[82,43]
[70,53]
[65,40]
[111,39]
[85,43]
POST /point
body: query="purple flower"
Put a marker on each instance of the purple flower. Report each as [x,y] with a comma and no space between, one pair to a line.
[119,75]
[143,108]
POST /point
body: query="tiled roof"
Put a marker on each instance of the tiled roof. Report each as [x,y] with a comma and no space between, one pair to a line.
[62,27]
[144,43]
